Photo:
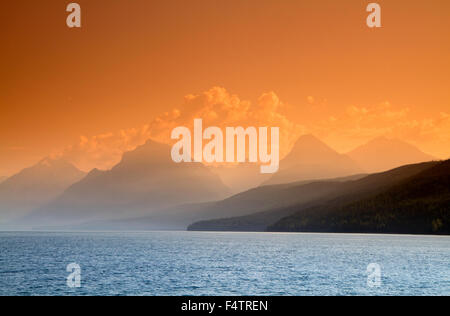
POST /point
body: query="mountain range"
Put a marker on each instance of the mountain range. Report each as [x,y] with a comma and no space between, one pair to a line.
[3,179]
[309,159]
[287,200]
[146,180]
[146,190]
[181,216]
[383,154]
[35,186]
[419,204]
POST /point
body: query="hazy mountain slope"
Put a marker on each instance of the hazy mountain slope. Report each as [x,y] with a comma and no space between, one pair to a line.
[383,154]
[144,181]
[272,196]
[308,195]
[3,179]
[172,218]
[240,177]
[35,186]
[418,205]
[181,216]
[312,159]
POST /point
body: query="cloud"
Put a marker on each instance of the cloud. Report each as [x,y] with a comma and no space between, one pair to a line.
[344,130]
[359,124]
[105,150]
[217,107]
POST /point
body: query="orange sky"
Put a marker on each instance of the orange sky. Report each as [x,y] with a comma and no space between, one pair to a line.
[321,68]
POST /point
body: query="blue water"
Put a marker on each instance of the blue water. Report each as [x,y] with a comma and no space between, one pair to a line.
[188,263]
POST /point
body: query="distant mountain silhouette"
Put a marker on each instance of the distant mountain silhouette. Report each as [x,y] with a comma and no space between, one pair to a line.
[144,181]
[3,179]
[417,205]
[181,216]
[275,202]
[35,186]
[311,159]
[382,154]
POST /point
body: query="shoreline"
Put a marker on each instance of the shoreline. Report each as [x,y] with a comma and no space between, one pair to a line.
[218,232]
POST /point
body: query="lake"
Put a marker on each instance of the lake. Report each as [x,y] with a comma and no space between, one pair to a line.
[192,263]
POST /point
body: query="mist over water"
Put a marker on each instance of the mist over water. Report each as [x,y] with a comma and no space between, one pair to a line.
[187,263]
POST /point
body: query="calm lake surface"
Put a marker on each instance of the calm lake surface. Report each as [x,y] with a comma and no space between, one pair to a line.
[189,263]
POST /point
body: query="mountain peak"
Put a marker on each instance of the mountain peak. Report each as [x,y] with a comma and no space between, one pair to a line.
[151,142]
[380,139]
[382,153]
[145,181]
[150,153]
[387,141]
[309,139]
[46,172]
[54,162]
[383,140]
[35,186]
[310,158]
[308,148]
